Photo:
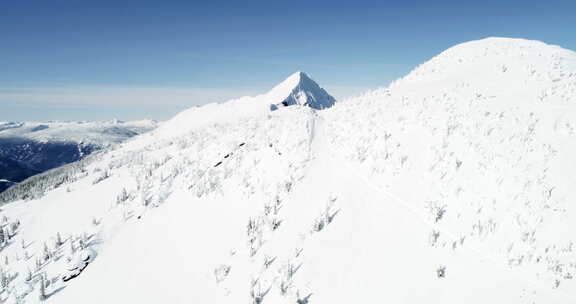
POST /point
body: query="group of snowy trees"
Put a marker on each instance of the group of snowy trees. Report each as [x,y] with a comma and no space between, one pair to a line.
[53,253]
[8,230]
[326,217]
[36,273]
[102,176]
[36,186]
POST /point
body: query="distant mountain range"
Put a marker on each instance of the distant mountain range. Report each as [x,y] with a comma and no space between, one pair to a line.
[29,148]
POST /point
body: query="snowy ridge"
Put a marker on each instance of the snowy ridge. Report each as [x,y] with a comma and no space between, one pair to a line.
[297,89]
[447,184]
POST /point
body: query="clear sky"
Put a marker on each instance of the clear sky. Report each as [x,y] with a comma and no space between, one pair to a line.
[134,59]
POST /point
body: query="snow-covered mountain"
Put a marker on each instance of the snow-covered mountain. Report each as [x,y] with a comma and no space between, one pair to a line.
[302,91]
[297,89]
[28,148]
[454,184]
[101,133]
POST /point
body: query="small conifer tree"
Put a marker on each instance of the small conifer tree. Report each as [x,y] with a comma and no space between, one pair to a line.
[42,295]
[59,241]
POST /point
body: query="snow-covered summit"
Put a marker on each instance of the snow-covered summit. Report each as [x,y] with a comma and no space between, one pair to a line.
[492,62]
[297,89]
[300,89]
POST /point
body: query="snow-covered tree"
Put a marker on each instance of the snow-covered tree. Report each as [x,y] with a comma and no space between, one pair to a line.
[4,280]
[46,254]
[122,197]
[38,264]
[59,241]
[28,275]
[82,244]
[72,247]
[42,294]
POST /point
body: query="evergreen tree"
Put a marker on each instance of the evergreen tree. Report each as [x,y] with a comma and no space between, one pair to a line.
[28,275]
[47,253]
[3,279]
[82,244]
[38,264]
[59,241]
[72,248]
[42,295]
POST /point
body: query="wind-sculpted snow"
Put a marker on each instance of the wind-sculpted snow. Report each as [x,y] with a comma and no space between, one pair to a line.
[452,185]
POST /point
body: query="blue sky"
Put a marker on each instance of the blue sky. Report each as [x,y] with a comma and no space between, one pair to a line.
[78,60]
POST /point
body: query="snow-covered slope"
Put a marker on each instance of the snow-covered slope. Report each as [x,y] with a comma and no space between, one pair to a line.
[479,143]
[28,148]
[453,185]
